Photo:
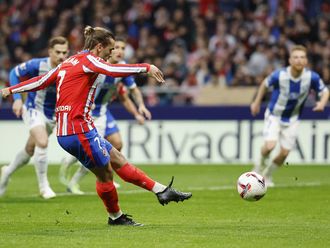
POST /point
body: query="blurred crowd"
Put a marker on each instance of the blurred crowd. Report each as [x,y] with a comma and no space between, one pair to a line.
[196,43]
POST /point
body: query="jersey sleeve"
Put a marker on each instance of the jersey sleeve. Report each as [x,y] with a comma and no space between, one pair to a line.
[14,80]
[23,72]
[36,83]
[273,79]
[97,65]
[317,83]
[129,82]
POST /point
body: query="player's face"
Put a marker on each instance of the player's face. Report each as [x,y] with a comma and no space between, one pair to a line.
[106,52]
[298,60]
[118,52]
[58,53]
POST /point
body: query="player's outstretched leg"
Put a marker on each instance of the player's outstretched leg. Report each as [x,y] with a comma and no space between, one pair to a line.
[132,174]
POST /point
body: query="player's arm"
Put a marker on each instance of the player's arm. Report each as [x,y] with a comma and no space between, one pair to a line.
[255,105]
[318,86]
[19,72]
[129,105]
[138,98]
[320,105]
[18,102]
[123,70]
[33,84]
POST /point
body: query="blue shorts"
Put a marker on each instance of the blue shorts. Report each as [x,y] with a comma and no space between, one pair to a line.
[89,148]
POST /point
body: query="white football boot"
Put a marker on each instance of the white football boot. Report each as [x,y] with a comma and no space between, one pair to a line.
[47,193]
[269,182]
[75,189]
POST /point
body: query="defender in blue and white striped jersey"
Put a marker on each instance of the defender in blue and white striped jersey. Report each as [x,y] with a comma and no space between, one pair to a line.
[290,88]
[37,113]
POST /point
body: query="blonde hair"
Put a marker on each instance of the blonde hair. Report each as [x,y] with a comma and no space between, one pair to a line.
[94,36]
[57,40]
[298,48]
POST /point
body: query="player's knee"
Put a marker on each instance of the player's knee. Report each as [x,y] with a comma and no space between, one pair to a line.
[269,146]
[117,144]
[29,150]
[103,174]
[108,174]
[117,159]
[280,159]
[284,153]
[104,178]
[42,143]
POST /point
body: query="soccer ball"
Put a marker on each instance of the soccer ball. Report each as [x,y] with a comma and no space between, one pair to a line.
[251,186]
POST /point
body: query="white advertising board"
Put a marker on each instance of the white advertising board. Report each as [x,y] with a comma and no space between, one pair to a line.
[193,142]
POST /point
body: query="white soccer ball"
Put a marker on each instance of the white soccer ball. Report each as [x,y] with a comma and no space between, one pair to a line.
[251,186]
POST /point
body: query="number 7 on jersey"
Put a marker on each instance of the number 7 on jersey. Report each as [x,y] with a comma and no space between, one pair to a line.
[61,74]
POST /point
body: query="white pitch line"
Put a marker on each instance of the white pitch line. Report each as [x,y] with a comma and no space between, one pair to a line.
[211,188]
[226,187]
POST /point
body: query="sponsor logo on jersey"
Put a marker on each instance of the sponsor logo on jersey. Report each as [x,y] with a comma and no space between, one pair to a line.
[63,108]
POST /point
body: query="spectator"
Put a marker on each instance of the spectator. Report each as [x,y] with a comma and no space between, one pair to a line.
[226,34]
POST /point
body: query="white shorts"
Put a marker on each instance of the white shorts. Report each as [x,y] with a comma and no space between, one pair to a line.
[33,118]
[106,125]
[275,130]
[100,124]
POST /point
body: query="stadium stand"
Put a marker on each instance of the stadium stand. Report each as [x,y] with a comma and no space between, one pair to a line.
[200,45]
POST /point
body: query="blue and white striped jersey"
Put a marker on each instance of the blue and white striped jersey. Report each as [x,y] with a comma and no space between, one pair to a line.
[107,91]
[43,100]
[289,94]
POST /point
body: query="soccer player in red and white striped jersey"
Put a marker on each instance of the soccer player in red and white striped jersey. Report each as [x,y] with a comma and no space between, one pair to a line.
[76,86]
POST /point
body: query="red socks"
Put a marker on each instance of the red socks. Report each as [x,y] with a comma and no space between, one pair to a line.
[132,174]
[108,193]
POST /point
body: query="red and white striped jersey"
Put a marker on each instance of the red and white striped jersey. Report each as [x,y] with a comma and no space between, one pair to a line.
[75,88]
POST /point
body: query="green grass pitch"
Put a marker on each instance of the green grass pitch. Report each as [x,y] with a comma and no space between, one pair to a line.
[294,214]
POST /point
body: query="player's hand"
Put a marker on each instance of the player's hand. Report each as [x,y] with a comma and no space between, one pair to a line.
[254,108]
[144,112]
[319,107]
[156,74]
[18,107]
[5,92]
[140,119]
